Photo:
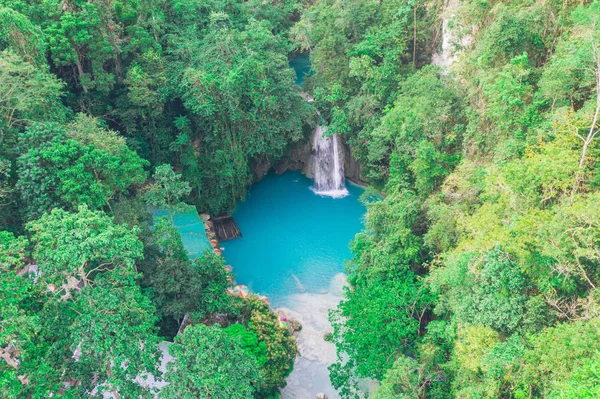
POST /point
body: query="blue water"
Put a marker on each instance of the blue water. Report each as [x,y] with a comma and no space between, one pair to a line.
[302,66]
[293,239]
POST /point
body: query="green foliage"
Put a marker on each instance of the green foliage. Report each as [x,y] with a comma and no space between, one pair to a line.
[113,329]
[237,85]
[73,248]
[491,291]
[409,378]
[27,94]
[210,364]
[485,237]
[168,274]
[418,136]
[476,275]
[22,36]
[561,362]
[83,318]
[281,346]
[249,341]
[381,275]
[145,67]
[91,168]
[17,325]
[366,334]
[87,90]
[472,345]
[213,283]
[178,286]
[167,190]
[571,73]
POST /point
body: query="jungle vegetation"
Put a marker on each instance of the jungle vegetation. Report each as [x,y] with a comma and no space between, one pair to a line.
[476,276]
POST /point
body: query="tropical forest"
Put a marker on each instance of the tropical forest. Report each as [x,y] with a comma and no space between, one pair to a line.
[300,199]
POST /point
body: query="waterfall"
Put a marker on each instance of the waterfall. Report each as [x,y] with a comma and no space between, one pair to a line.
[450,41]
[328,165]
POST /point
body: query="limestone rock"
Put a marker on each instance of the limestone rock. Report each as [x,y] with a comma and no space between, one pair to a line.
[297,158]
[351,165]
[295,326]
[262,168]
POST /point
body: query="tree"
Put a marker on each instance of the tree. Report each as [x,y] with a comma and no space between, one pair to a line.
[574,69]
[58,171]
[18,325]
[167,190]
[560,362]
[411,378]
[281,345]
[419,135]
[111,340]
[28,93]
[22,36]
[370,338]
[249,341]
[72,249]
[179,286]
[5,187]
[492,291]
[571,238]
[213,283]
[245,99]
[208,363]
[83,324]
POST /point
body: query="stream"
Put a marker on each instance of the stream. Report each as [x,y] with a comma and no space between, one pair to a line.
[293,248]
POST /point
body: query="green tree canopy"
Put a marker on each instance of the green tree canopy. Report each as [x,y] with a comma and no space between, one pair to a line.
[208,363]
[92,168]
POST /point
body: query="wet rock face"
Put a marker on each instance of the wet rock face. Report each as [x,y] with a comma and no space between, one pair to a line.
[351,165]
[300,157]
[261,169]
[297,159]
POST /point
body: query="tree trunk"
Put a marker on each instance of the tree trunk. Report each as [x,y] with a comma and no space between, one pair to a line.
[80,71]
[415,35]
[592,132]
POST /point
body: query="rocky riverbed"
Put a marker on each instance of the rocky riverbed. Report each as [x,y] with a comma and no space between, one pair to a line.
[311,376]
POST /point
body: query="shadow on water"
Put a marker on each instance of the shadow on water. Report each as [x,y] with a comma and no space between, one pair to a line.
[302,65]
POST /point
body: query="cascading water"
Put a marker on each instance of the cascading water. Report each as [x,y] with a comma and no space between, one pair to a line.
[451,43]
[329,165]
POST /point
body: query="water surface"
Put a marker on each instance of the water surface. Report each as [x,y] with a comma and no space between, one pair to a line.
[302,66]
[294,241]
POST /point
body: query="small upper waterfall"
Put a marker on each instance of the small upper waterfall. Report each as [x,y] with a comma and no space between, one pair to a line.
[450,42]
[328,164]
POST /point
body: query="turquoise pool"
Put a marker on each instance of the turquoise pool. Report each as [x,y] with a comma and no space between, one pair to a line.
[302,67]
[293,240]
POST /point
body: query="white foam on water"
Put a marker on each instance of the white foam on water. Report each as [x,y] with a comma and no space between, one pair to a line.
[331,193]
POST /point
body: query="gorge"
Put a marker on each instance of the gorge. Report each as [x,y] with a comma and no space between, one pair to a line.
[177,183]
